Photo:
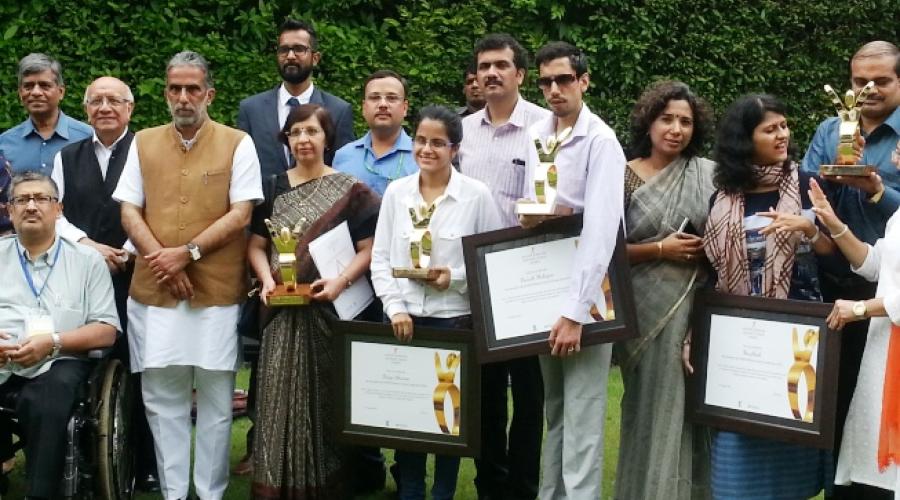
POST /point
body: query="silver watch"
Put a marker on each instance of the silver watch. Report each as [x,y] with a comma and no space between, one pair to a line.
[195,251]
[57,345]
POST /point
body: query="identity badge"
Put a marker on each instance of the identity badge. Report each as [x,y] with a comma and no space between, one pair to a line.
[38,322]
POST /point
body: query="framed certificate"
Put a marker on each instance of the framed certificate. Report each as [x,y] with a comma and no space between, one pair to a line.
[519,281]
[764,367]
[424,395]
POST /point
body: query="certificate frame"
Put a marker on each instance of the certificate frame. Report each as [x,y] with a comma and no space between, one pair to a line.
[467,443]
[820,432]
[490,348]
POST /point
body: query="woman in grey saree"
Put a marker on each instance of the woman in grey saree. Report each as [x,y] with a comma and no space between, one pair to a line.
[667,190]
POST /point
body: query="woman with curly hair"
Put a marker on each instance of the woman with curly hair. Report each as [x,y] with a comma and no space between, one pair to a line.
[762,240]
[666,183]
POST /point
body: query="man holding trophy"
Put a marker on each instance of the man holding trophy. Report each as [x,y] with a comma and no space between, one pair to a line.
[864,202]
[577,166]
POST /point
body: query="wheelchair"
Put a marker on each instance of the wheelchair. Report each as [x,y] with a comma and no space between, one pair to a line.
[99,458]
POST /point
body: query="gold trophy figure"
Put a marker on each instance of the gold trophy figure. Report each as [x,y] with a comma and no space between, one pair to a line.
[447,387]
[848,111]
[419,245]
[802,367]
[545,177]
[288,292]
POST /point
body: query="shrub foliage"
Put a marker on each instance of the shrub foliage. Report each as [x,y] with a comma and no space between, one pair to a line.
[722,48]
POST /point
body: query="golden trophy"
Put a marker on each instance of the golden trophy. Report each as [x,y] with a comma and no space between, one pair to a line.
[848,111]
[288,292]
[545,177]
[447,387]
[419,245]
[802,368]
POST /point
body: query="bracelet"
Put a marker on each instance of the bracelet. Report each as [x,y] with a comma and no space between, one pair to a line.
[659,247]
[816,236]
[686,342]
[842,233]
[349,282]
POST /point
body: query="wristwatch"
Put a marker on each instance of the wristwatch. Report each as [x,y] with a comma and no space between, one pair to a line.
[57,345]
[195,251]
[859,309]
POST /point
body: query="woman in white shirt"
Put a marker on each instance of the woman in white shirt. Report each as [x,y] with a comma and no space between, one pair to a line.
[459,206]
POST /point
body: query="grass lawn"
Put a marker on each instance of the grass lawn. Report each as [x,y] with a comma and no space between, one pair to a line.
[239,487]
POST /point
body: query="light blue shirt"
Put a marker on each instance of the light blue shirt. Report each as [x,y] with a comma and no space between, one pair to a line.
[358,159]
[25,149]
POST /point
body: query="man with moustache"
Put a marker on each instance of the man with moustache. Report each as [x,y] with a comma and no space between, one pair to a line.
[591,178]
[494,150]
[187,191]
[384,154]
[32,144]
[55,305]
[865,204]
[87,173]
[263,114]
[472,93]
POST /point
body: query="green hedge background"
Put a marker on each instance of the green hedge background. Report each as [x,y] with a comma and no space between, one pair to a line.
[722,48]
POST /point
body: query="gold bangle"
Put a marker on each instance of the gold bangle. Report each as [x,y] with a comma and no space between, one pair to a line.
[659,248]
[842,233]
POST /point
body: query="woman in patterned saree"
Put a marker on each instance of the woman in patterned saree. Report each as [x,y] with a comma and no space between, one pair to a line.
[661,455]
[762,240]
[294,454]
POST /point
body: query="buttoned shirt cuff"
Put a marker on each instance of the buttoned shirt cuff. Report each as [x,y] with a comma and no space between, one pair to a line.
[889,202]
[458,279]
[869,268]
[577,311]
[892,307]
[395,307]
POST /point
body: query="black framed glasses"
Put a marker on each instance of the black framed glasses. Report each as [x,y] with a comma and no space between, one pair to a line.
[298,49]
[545,82]
[41,200]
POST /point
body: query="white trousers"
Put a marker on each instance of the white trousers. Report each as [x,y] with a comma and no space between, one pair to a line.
[575,407]
[167,397]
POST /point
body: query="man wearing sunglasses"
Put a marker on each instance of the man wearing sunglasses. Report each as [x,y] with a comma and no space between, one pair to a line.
[494,148]
[591,180]
[263,114]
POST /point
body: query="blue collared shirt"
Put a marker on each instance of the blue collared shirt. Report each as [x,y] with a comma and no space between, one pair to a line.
[866,220]
[358,159]
[25,149]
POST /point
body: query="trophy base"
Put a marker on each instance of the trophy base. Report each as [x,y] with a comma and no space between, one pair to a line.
[847,170]
[527,207]
[281,296]
[420,273]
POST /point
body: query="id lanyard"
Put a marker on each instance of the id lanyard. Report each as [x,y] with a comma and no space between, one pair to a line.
[23,262]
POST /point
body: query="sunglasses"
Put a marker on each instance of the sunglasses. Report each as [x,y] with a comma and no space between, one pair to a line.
[545,82]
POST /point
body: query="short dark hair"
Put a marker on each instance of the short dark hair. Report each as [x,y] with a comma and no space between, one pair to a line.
[653,102]
[500,41]
[876,49]
[386,73]
[452,122]
[471,69]
[32,176]
[734,145]
[304,112]
[298,25]
[556,50]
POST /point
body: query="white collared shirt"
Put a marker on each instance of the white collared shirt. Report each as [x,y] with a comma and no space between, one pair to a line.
[468,208]
[65,228]
[591,180]
[284,108]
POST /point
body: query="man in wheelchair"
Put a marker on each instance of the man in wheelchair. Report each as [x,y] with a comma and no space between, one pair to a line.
[56,304]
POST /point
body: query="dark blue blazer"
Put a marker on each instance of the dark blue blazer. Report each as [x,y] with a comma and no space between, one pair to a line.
[258,116]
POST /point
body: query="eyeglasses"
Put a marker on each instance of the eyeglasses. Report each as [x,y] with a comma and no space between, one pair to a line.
[41,200]
[434,143]
[545,82]
[114,102]
[295,133]
[192,90]
[298,49]
[389,98]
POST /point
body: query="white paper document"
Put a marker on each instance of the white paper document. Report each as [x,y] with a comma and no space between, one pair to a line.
[754,364]
[332,253]
[395,387]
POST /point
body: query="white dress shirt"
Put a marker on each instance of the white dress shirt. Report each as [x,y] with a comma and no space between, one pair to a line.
[467,208]
[591,179]
[65,228]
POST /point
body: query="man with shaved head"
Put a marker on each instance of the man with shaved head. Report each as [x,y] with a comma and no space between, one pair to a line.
[87,172]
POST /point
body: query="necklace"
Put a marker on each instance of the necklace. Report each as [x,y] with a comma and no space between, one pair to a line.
[370,167]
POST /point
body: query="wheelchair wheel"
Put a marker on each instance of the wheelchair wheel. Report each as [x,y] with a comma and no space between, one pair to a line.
[115,451]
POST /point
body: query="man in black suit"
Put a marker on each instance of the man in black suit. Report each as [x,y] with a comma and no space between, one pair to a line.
[263,114]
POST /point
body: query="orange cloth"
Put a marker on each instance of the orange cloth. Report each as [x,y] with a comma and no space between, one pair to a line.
[889,437]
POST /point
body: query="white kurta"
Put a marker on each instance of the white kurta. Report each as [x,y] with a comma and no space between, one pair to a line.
[857,461]
[204,337]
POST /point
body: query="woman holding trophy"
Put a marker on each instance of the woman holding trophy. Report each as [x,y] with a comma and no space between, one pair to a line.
[667,191]
[294,452]
[762,240]
[418,269]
